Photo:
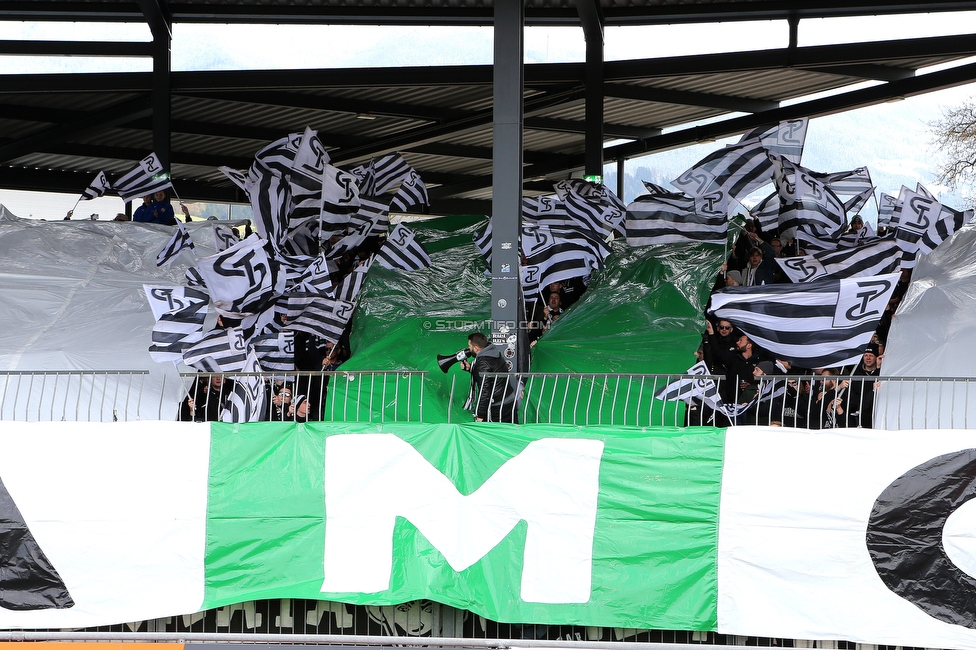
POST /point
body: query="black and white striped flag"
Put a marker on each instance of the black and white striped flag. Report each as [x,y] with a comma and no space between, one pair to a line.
[340,197]
[767,212]
[886,209]
[224,237]
[179,313]
[688,388]
[236,176]
[277,157]
[786,138]
[855,181]
[546,210]
[853,205]
[808,203]
[877,258]
[924,224]
[562,253]
[96,188]
[412,192]
[271,205]
[375,212]
[673,218]
[317,278]
[593,212]
[306,174]
[319,316]
[350,242]
[147,177]
[482,242]
[531,291]
[738,169]
[402,251]
[245,402]
[382,175]
[219,350]
[275,351]
[243,280]
[178,242]
[350,286]
[814,325]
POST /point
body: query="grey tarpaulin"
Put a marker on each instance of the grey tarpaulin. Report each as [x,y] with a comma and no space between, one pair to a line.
[933,334]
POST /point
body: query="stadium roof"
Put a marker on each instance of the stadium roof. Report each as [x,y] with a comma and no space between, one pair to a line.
[58,130]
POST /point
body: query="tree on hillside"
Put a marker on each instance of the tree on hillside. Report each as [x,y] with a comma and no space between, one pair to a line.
[954,135]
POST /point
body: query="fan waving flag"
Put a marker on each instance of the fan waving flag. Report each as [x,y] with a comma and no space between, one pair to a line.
[96,188]
[880,257]
[178,242]
[673,218]
[816,325]
[402,251]
[147,177]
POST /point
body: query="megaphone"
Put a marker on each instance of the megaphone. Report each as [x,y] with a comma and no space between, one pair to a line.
[445,361]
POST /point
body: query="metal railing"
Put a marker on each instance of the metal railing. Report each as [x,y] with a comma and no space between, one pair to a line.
[804,401]
[85,396]
[336,396]
[546,398]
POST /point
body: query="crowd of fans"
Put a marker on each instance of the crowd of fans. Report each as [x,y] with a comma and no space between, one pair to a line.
[813,398]
[299,396]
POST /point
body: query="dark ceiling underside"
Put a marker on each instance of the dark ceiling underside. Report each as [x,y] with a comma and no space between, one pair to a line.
[57,131]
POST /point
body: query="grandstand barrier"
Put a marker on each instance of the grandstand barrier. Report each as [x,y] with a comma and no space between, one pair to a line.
[545,398]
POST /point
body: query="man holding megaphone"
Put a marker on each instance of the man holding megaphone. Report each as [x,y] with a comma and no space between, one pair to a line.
[497,396]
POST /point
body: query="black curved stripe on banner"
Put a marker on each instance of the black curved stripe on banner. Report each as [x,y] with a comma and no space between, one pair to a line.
[28,580]
[904,537]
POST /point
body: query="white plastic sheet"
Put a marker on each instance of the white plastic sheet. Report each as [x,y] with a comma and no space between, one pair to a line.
[933,335]
[71,299]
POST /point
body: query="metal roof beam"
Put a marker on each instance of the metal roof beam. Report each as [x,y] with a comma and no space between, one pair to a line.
[468,151]
[688,98]
[801,57]
[735,126]
[866,71]
[333,104]
[572,126]
[92,123]
[74,48]
[427,134]
[814,57]
[128,154]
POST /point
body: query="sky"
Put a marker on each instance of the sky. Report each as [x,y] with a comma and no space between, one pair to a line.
[231,47]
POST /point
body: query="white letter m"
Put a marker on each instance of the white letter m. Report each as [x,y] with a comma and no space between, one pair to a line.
[553,485]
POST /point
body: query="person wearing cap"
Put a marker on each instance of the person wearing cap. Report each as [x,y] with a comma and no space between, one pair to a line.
[739,386]
[861,398]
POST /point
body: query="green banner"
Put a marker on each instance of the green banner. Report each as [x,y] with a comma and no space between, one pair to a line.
[531,524]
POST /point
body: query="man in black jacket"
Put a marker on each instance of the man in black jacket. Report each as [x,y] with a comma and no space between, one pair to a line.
[496,396]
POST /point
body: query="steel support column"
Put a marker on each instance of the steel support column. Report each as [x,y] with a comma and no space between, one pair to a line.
[160,23]
[506,203]
[591,20]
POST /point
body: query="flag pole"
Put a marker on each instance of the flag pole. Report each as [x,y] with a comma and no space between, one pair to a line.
[71,212]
